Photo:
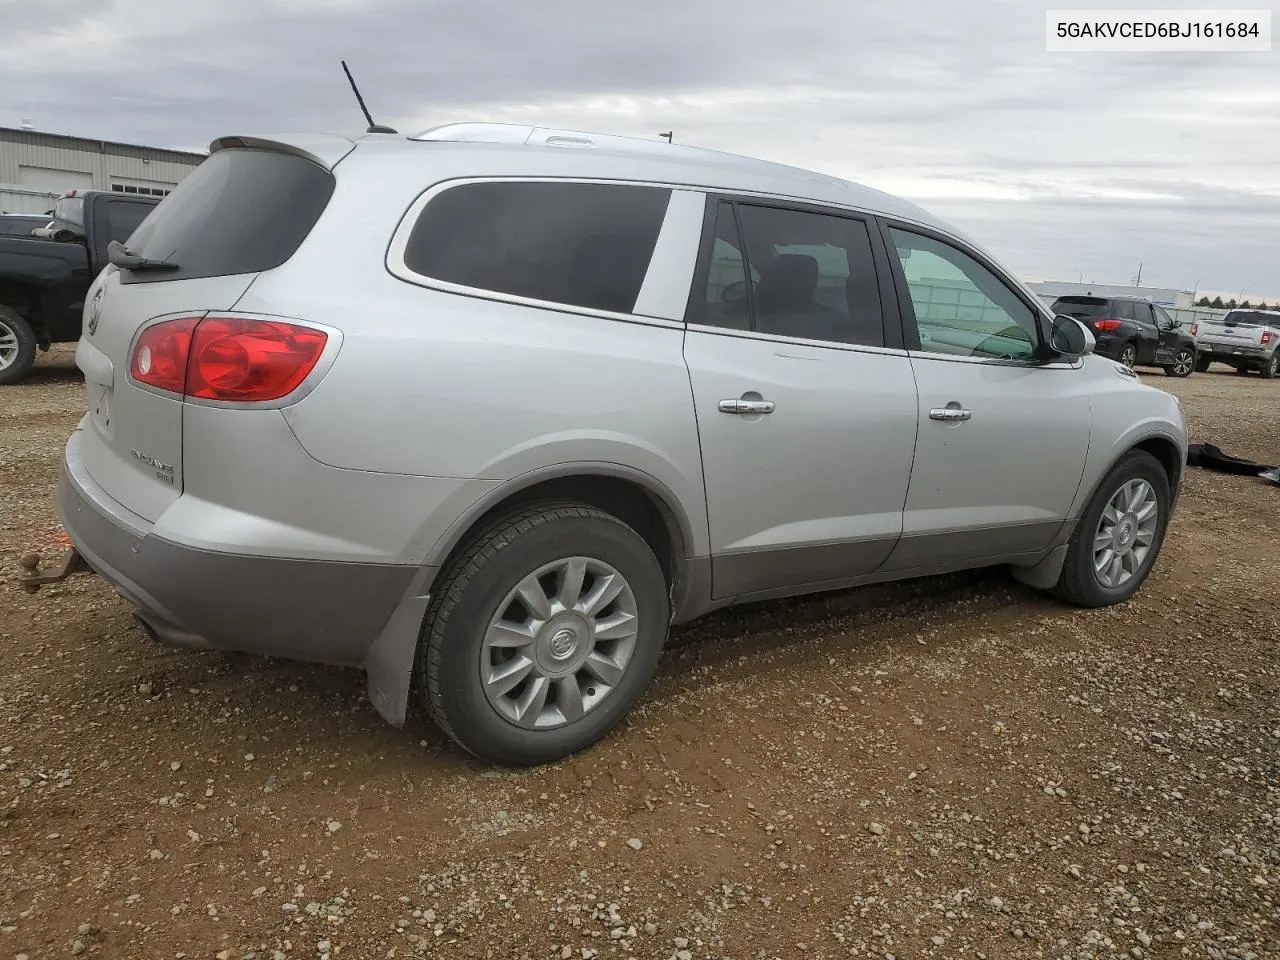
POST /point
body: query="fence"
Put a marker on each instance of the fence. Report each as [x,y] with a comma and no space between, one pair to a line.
[15,199]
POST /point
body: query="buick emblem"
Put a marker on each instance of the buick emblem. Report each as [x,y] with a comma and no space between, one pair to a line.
[95,310]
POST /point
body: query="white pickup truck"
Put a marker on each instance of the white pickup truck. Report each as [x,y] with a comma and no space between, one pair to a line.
[1244,339]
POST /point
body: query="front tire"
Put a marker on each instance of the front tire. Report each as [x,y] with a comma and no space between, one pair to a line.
[1271,366]
[17,346]
[1184,361]
[542,634]
[1118,538]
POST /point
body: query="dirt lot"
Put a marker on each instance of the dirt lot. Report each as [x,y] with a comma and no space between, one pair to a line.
[959,767]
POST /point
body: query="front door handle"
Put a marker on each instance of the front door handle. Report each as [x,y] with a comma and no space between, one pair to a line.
[742,405]
[952,413]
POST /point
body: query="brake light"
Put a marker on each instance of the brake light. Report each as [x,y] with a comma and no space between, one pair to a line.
[241,359]
[160,355]
[1266,337]
[1106,325]
[1195,329]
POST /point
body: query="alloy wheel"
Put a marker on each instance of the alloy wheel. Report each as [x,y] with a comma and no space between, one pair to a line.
[559,643]
[1125,534]
[8,346]
[1183,362]
[1129,356]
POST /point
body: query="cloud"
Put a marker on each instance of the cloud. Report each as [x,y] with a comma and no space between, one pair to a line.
[1059,163]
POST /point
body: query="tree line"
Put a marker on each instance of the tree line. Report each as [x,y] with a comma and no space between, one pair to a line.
[1230,304]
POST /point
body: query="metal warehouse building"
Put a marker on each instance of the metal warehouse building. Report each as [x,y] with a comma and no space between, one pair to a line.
[36,168]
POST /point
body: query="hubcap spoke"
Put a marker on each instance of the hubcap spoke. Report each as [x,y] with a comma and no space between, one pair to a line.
[504,633]
[569,699]
[529,706]
[1103,560]
[506,677]
[619,626]
[603,593]
[534,598]
[603,669]
[575,571]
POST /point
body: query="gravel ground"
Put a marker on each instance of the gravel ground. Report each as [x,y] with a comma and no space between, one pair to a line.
[956,767]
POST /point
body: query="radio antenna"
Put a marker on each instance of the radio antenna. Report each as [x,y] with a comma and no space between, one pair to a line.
[373,127]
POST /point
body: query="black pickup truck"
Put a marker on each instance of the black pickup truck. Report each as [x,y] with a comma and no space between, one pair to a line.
[44,277]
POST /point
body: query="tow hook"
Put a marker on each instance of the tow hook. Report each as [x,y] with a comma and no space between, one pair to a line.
[33,579]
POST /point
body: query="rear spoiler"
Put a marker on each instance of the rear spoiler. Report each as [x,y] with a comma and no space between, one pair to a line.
[326,149]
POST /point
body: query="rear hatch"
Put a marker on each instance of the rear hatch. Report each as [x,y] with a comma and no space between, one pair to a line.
[244,210]
[1239,328]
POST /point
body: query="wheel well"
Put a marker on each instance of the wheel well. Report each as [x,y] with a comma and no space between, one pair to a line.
[26,301]
[640,509]
[1167,453]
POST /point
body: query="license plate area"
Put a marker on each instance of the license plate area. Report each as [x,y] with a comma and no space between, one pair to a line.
[100,408]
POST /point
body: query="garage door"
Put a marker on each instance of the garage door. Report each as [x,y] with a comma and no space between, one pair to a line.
[54,181]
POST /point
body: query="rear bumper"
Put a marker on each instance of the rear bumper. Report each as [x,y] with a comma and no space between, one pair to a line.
[1232,351]
[324,611]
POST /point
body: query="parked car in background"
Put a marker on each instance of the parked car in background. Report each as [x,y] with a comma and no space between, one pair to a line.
[44,278]
[1134,331]
[22,224]
[485,410]
[1244,339]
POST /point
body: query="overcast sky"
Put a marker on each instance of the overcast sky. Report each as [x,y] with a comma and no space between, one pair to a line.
[1065,165]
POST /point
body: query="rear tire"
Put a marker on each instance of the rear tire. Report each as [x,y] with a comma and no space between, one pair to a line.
[1129,355]
[17,346]
[1184,362]
[1271,366]
[1081,582]
[1202,363]
[582,665]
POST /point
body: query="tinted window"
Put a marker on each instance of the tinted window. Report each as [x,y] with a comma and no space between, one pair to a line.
[123,218]
[581,244]
[1082,308]
[812,276]
[1122,309]
[961,307]
[1142,313]
[1251,318]
[726,302]
[240,211]
[20,226]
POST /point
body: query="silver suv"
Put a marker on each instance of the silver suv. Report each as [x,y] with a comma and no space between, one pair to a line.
[483,411]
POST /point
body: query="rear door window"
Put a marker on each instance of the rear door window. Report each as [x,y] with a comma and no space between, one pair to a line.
[240,211]
[1142,313]
[584,245]
[123,218]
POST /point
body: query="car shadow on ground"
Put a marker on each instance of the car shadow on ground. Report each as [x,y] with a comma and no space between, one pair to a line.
[60,370]
[330,703]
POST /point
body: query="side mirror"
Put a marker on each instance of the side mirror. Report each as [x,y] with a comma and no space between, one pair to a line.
[1071,338]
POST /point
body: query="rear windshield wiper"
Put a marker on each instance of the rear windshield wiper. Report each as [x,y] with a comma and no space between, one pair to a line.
[126,259]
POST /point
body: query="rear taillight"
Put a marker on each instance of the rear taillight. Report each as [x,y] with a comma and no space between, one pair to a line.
[1106,325]
[160,355]
[1195,329]
[1267,336]
[240,359]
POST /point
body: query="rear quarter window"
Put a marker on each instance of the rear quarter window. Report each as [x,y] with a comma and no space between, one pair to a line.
[582,245]
[240,211]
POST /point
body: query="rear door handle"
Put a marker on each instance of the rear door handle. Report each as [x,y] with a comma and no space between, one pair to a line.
[952,412]
[746,406]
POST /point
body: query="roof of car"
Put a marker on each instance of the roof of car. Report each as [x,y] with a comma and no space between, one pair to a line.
[606,155]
